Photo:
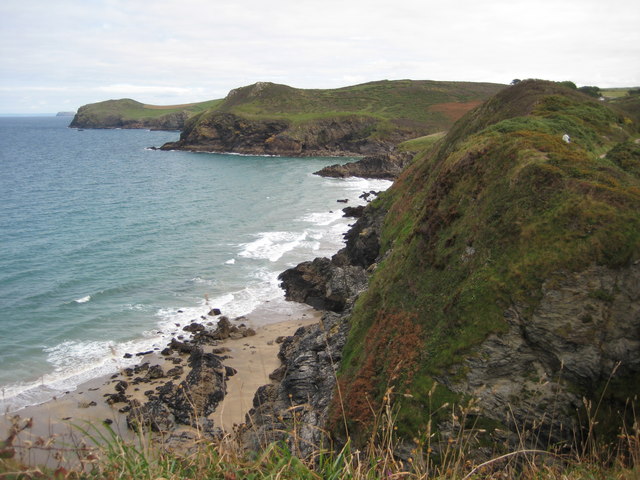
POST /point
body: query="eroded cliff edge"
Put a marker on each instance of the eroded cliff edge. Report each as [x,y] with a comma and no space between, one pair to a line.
[503,296]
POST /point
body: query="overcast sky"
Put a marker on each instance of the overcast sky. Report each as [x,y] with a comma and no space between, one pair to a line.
[61,54]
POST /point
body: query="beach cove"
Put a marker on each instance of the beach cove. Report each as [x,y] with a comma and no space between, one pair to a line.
[171,244]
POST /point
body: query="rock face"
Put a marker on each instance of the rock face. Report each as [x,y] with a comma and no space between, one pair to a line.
[585,330]
[323,284]
[227,132]
[508,276]
[295,410]
[334,284]
[386,167]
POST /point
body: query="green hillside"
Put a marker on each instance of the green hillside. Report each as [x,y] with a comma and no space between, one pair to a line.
[127,113]
[420,101]
[479,232]
[361,119]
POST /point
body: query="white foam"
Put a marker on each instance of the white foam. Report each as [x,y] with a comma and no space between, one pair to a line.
[230,261]
[323,219]
[83,299]
[272,245]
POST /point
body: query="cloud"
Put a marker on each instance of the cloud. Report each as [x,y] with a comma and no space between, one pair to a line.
[166,51]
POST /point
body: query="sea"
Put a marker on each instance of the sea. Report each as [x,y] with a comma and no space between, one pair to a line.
[108,246]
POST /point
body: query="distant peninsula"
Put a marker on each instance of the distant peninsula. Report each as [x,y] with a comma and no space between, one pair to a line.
[65,114]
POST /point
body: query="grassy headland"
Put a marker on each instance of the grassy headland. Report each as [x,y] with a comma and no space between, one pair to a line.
[127,113]
[361,119]
[481,231]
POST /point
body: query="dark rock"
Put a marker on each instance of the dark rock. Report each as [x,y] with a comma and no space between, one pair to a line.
[121,386]
[223,329]
[194,327]
[362,240]
[345,200]
[214,312]
[141,368]
[220,351]
[355,212]
[127,355]
[116,398]
[153,414]
[155,372]
[323,284]
[278,374]
[142,354]
[384,166]
[310,360]
[175,371]
[182,347]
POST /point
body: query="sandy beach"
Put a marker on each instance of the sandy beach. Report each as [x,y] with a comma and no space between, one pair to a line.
[253,357]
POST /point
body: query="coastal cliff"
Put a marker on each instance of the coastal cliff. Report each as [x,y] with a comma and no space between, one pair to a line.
[368,119]
[493,291]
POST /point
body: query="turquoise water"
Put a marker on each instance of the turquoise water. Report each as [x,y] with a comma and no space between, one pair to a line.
[107,244]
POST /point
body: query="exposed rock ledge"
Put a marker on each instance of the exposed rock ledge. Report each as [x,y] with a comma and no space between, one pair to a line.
[226,132]
[585,330]
[386,167]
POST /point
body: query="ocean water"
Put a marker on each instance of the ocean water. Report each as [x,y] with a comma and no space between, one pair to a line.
[106,244]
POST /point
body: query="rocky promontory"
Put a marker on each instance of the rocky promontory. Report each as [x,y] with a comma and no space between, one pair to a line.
[127,113]
[386,167]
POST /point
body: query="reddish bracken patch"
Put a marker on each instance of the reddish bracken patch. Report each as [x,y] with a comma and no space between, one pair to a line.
[392,347]
[454,110]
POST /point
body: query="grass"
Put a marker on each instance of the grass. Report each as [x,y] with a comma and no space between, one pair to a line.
[131,110]
[421,144]
[459,457]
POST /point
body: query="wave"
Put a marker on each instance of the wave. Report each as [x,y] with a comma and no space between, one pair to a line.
[83,299]
[272,245]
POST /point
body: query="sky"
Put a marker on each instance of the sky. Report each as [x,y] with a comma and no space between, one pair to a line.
[57,55]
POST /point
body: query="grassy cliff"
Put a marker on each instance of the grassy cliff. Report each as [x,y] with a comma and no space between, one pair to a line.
[361,119]
[478,230]
[127,113]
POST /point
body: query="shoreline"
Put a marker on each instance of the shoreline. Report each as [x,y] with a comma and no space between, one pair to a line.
[252,357]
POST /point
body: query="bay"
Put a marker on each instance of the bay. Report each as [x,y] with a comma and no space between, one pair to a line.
[107,245]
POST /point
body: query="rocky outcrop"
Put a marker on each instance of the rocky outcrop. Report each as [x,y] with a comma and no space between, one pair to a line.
[296,408]
[386,167]
[187,402]
[585,330]
[227,132]
[323,284]
[179,399]
[333,284]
